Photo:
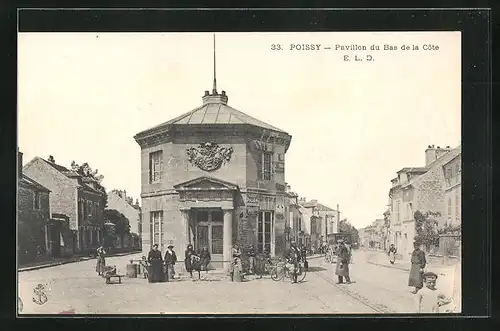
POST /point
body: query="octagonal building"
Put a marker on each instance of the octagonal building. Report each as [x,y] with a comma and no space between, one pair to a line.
[213,176]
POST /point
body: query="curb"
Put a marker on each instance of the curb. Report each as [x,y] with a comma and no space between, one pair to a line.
[400,268]
[48,265]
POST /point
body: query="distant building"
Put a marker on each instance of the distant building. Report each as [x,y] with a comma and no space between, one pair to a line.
[77,202]
[118,200]
[418,189]
[299,222]
[324,222]
[33,217]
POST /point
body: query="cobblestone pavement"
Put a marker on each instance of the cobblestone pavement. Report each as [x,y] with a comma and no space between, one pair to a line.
[76,286]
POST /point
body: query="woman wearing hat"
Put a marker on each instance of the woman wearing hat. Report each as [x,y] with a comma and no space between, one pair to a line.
[342,269]
[170,260]
[101,261]
[187,259]
[418,263]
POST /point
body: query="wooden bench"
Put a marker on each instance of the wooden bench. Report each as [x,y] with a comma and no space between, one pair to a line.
[108,278]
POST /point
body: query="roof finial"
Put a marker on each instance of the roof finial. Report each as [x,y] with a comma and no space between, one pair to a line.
[214,91]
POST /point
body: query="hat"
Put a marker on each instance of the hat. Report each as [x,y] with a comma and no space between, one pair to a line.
[340,241]
[429,274]
[170,246]
[155,245]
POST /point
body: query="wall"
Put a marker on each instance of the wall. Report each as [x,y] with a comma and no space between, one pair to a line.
[31,222]
[63,196]
[118,203]
[178,169]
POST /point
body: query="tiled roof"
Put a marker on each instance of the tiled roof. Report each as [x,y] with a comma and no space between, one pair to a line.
[33,183]
[413,169]
[58,167]
[215,113]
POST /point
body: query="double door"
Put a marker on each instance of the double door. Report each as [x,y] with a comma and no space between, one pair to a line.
[209,233]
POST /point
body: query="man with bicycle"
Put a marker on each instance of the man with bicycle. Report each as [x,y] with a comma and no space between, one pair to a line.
[293,257]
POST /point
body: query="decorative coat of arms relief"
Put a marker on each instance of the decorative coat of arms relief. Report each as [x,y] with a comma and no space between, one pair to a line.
[209,156]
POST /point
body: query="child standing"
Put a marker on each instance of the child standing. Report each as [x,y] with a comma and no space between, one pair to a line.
[430,299]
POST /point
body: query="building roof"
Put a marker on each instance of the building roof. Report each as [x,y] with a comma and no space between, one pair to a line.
[33,183]
[214,113]
[414,169]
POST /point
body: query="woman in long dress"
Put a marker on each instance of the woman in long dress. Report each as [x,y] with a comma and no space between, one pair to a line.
[418,263]
[187,259]
[392,254]
[101,261]
[155,260]
[205,259]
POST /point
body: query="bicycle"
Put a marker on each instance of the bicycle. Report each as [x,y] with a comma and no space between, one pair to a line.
[281,270]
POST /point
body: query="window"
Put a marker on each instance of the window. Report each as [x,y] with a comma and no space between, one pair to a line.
[267,166]
[155,166]
[397,212]
[457,179]
[449,208]
[155,227]
[264,226]
[80,209]
[313,226]
[37,201]
[457,206]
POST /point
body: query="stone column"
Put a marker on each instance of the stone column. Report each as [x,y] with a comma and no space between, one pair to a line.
[227,241]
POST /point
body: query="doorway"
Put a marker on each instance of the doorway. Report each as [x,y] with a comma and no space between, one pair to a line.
[55,238]
[209,233]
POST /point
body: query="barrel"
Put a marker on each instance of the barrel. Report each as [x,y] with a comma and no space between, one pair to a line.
[132,270]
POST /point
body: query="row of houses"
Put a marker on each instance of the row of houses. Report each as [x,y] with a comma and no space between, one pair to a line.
[61,211]
[433,190]
[310,223]
[375,235]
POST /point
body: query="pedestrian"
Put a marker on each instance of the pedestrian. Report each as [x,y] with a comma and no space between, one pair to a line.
[293,258]
[170,260]
[236,267]
[418,263]
[392,253]
[187,259]
[303,255]
[251,259]
[144,266]
[155,261]
[101,260]
[342,269]
[429,299]
[205,259]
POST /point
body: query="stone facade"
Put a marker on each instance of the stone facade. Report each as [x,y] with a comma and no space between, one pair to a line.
[75,201]
[217,172]
[418,189]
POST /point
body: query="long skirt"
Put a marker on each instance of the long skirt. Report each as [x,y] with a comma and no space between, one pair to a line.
[415,276]
[156,273]
[188,265]
[101,263]
[204,264]
[342,269]
[392,257]
[170,271]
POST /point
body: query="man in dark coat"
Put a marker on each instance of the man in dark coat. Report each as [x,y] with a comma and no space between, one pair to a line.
[293,258]
[342,269]
[155,260]
[251,259]
[418,263]
[170,260]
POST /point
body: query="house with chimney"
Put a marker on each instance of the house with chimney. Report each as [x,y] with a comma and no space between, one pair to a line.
[77,203]
[418,189]
[33,218]
[119,201]
[323,222]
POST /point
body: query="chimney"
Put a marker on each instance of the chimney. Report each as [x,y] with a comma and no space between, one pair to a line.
[51,159]
[430,155]
[19,163]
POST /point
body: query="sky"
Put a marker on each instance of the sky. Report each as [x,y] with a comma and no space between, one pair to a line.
[354,124]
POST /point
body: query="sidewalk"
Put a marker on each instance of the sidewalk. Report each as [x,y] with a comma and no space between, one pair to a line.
[72,259]
[380,258]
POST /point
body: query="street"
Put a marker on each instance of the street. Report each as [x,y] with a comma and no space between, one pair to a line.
[375,289]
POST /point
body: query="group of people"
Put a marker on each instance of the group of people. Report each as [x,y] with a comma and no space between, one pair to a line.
[427,296]
[162,269]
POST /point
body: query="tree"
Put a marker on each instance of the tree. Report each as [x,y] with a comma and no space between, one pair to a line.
[121,224]
[426,226]
[346,228]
